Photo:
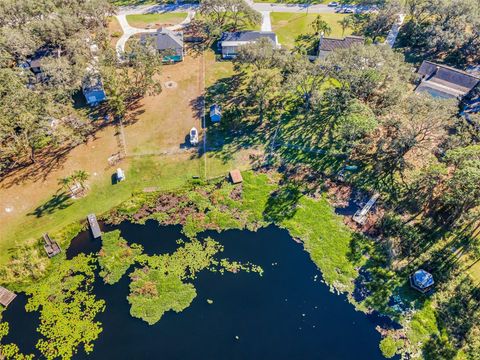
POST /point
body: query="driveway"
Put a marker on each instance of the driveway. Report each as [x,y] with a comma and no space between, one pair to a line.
[266,23]
[129,31]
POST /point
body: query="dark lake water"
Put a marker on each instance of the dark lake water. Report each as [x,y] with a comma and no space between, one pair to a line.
[286,314]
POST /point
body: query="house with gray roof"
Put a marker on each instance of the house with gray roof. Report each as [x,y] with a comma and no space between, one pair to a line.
[445,82]
[168,43]
[230,42]
[327,45]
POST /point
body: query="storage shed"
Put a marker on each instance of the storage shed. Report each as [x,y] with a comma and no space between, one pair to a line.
[215,113]
[236,176]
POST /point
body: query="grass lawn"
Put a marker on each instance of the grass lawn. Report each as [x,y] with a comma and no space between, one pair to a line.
[133,2]
[156,20]
[311,2]
[289,26]
[32,204]
[115,30]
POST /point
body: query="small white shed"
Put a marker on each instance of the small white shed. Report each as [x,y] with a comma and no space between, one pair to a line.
[120,175]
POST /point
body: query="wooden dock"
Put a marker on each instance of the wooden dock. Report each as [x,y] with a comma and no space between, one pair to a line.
[94,227]
[360,216]
[6,296]
[51,246]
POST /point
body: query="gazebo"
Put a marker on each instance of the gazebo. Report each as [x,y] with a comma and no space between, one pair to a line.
[421,280]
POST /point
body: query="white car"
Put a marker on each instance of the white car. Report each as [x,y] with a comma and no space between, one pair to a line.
[194,136]
[333,4]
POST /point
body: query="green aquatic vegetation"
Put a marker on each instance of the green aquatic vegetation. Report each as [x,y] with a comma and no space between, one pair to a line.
[389,346]
[160,286]
[153,292]
[67,308]
[326,239]
[9,351]
[235,266]
[116,256]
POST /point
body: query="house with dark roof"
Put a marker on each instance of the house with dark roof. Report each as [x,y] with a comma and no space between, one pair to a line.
[327,45]
[445,82]
[168,43]
[230,42]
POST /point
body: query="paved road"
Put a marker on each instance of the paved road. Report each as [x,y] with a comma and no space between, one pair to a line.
[292,8]
[295,8]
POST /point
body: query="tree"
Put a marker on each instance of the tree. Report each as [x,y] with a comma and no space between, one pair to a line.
[462,189]
[375,75]
[377,25]
[128,81]
[264,86]
[412,132]
[345,24]
[223,15]
[80,177]
[444,29]
[304,78]
[261,54]
[320,26]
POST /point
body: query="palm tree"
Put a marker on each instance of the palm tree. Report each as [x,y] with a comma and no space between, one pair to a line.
[320,26]
[65,182]
[345,23]
[80,177]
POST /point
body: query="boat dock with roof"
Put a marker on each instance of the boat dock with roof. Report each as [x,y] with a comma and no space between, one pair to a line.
[51,246]
[6,296]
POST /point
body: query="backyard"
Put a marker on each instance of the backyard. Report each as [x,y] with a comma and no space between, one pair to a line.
[157,20]
[288,26]
[155,142]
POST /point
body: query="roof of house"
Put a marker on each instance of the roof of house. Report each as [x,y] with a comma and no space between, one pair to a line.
[330,44]
[240,37]
[446,80]
[167,39]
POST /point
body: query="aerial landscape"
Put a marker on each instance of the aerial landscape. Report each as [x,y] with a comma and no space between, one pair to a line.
[240,179]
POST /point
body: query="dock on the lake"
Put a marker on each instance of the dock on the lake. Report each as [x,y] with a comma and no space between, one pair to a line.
[92,221]
[6,296]
[51,246]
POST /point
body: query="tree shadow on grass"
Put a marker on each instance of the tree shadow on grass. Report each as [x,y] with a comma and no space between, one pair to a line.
[57,202]
[282,204]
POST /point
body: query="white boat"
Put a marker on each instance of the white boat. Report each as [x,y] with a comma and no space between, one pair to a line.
[194,136]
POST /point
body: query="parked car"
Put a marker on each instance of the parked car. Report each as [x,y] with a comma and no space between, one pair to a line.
[333,4]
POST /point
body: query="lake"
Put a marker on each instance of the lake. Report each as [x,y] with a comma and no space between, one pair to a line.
[288,313]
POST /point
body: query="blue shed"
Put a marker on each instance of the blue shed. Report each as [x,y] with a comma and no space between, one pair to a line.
[215,113]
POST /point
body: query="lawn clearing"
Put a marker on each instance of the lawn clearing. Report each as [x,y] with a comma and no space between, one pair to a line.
[115,30]
[133,2]
[148,21]
[164,121]
[309,2]
[288,26]
[33,204]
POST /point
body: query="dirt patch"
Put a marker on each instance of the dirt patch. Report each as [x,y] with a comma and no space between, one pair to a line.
[170,85]
[163,122]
